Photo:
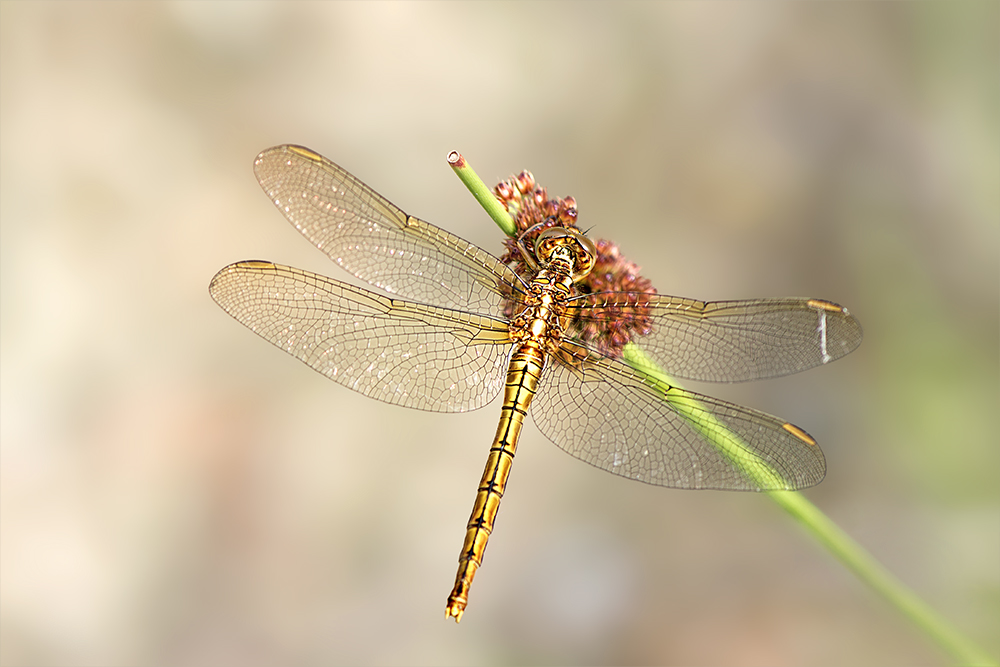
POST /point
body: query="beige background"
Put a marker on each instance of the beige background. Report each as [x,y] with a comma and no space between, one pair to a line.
[176,491]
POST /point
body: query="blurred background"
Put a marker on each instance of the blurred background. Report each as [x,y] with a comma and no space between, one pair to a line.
[177,491]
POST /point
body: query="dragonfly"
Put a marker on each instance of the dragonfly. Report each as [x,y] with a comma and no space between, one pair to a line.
[451,327]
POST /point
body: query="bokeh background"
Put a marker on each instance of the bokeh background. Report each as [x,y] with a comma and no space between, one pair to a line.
[176,491]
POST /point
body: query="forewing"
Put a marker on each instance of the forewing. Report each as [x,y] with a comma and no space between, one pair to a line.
[731,341]
[376,241]
[611,416]
[396,351]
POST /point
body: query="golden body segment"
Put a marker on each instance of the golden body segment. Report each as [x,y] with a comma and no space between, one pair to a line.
[522,380]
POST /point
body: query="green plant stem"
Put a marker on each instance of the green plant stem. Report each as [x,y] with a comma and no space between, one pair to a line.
[730,445]
[962,649]
[483,194]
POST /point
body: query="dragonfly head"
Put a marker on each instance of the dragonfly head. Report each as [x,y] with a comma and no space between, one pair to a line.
[580,250]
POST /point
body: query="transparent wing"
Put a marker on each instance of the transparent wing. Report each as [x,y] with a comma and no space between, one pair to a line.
[371,238]
[603,412]
[733,341]
[396,351]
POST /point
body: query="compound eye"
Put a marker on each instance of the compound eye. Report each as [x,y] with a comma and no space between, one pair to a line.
[586,256]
